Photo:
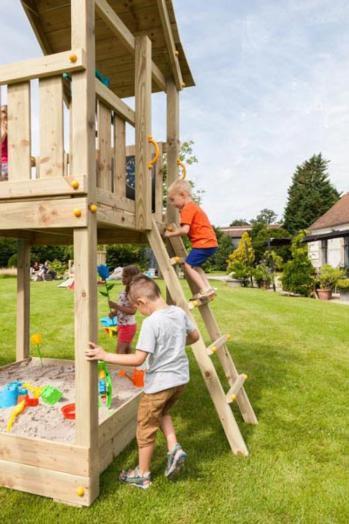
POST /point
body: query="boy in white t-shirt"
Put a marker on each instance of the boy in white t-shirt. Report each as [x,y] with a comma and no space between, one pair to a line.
[163,337]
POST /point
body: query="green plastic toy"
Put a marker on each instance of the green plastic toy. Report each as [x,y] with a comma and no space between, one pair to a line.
[105,386]
[51,395]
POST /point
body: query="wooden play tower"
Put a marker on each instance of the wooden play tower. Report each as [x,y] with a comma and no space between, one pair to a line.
[74,191]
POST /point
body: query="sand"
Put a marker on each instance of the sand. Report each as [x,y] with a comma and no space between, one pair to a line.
[46,421]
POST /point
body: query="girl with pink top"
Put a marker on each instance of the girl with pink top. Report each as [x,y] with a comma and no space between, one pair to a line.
[3,143]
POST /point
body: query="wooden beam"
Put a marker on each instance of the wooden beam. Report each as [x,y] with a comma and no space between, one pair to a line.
[50,65]
[173,144]
[47,454]
[117,26]
[170,43]
[114,102]
[31,214]
[143,131]
[48,482]
[85,240]
[43,187]
[114,216]
[30,9]
[23,300]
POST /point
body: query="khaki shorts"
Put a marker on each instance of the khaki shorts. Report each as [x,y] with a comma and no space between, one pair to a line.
[152,407]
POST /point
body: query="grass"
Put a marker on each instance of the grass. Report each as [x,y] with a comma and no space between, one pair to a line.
[295,352]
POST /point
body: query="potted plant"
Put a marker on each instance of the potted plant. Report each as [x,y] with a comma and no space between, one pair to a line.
[327,280]
[262,276]
[343,286]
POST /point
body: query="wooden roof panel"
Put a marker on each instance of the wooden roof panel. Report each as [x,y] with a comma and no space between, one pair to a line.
[51,22]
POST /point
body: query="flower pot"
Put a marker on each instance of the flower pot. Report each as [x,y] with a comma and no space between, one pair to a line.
[324,294]
[344,294]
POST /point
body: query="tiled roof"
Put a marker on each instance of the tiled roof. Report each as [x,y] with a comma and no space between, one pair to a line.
[336,215]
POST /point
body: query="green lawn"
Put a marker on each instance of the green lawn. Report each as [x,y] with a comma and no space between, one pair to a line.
[295,352]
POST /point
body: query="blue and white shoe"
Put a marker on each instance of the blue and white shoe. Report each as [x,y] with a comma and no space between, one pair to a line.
[175,461]
[134,478]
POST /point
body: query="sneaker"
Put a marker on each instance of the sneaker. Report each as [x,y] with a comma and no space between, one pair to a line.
[175,461]
[134,478]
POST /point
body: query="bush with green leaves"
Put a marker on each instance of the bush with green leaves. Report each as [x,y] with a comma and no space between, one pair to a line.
[329,276]
[298,274]
[240,262]
[59,268]
[262,275]
[343,284]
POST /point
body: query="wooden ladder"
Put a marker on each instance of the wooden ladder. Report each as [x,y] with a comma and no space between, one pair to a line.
[167,256]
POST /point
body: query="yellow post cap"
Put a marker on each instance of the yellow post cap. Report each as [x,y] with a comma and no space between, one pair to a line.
[80,491]
[73,58]
[77,213]
[75,184]
[93,208]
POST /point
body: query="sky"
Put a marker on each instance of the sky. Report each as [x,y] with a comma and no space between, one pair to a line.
[272,89]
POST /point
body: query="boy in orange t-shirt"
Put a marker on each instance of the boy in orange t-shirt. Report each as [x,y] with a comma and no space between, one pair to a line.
[195,224]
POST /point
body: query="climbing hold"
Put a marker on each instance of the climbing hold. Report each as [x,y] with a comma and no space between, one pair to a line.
[73,59]
[80,491]
[77,213]
[75,184]
[93,208]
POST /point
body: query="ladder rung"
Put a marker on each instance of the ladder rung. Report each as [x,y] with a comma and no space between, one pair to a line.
[198,302]
[217,344]
[176,260]
[234,390]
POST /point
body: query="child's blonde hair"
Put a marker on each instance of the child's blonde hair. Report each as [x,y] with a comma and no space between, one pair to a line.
[180,186]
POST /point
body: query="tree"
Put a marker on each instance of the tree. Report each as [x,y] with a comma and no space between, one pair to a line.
[239,222]
[310,194]
[240,262]
[261,235]
[298,274]
[187,156]
[265,216]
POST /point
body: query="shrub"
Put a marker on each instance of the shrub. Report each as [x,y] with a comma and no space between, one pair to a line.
[240,262]
[262,275]
[328,276]
[59,268]
[12,261]
[298,275]
[343,283]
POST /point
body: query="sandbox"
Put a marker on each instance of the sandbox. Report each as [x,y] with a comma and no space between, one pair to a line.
[40,456]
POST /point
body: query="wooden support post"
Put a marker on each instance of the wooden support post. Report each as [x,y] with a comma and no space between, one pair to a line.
[85,239]
[173,143]
[23,299]
[143,131]
[173,148]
